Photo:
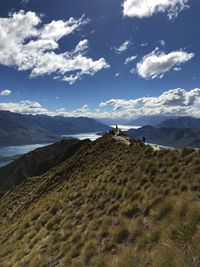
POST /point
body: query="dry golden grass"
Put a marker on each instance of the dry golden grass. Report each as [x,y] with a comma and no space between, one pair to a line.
[109,205]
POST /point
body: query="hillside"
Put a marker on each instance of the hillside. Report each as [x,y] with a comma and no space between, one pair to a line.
[37,162]
[18,129]
[111,204]
[172,137]
[181,123]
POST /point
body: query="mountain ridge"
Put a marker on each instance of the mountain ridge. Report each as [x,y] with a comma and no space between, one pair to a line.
[109,205]
[37,162]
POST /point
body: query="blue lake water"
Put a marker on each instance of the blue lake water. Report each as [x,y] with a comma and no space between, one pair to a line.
[9,153]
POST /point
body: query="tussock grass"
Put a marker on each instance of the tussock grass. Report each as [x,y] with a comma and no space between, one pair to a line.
[109,205]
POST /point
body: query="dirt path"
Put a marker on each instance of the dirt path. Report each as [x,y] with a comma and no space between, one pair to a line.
[123,139]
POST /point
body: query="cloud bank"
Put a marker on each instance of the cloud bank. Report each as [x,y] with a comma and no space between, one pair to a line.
[172,102]
[28,45]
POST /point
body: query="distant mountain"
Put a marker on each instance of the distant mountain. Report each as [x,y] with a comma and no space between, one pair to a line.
[181,122]
[108,121]
[37,162]
[18,129]
[150,120]
[173,137]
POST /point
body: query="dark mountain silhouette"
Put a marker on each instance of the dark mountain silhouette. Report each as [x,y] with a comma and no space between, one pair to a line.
[152,120]
[110,203]
[37,162]
[172,137]
[18,129]
[181,122]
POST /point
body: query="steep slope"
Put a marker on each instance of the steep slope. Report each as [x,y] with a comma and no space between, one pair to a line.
[110,204]
[173,137]
[182,123]
[18,129]
[37,162]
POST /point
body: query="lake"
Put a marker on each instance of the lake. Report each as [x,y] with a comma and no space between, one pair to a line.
[82,136]
[10,153]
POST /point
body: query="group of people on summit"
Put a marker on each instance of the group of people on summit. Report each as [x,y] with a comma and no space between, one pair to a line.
[116,131]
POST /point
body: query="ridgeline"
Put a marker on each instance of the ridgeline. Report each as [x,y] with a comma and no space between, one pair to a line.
[109,204]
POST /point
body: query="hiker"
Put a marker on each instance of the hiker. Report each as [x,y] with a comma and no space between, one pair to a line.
[143,139]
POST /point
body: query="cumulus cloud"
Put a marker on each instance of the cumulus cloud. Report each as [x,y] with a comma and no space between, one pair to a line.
[172,102]
[24,107]
[130,59]
[28,45]
[147,8]
[123,47]
[5,92]
[157,63]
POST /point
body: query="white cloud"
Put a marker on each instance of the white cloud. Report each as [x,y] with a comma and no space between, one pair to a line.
[82,46]
[122,48]
[172,102]
[27,45]
[177,68]
[5,93]
[146,8]
[144,44]
[157,63]
[162,42]
[24,107]
[132,71]
[130,59]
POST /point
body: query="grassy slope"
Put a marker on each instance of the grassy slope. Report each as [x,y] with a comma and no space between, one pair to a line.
[108,205]
[37,162]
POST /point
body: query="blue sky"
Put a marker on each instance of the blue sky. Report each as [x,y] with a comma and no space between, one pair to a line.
[52,64]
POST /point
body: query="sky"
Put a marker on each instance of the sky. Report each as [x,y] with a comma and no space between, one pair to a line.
[103,59]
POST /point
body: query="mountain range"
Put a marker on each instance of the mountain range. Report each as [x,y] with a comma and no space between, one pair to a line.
[181,123]
[105,203]
[167,136]
[174,132]
[152,120]
[18,129]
